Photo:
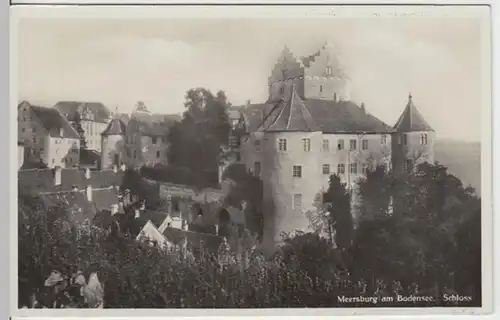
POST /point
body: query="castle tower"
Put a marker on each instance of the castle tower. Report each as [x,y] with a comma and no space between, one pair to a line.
[291,168]
[413,141]
[317,76]
[113,144]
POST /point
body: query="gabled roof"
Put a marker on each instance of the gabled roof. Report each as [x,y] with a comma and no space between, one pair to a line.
[71,108]
[115,127]
[53,121]
[411,119]
[290,115]
[331,116]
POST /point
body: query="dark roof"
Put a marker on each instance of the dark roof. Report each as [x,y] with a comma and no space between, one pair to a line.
[307,60]
[195,240]
[331,116]
[156,217]
[71,108]
[290,115]
[78,208]
[42,180]
[149,128]
[89,157]
[411,119]
[115,127]
[104,198]
[52,120]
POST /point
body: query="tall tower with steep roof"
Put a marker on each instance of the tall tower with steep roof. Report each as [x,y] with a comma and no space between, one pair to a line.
[113,144]
[413,141]
[290,167]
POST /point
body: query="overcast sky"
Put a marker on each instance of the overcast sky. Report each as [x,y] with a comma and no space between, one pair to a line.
[119,62]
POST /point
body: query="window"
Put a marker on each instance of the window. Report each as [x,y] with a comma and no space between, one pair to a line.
[404,139]
[154,140]
[365,168]
[423,138]
[352,144]
[297,201]
[326,169]
[297,171]
[326,145]
[157,154]
[320,88]
[34,140]
[282,144]
[233,141]
[383,139]
[307,144]
[257,145]
[340,144]
[135,154]
[282,90]
[353,168]
[365,144]
[328,70]
[341,168]
[408,166]
[256,168]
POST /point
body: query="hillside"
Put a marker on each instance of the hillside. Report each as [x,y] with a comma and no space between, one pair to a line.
[463,159]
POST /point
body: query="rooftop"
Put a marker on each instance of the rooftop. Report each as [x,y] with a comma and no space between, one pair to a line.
[71,108]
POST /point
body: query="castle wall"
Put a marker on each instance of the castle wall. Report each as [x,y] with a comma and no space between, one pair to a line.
[113,148]
[280,188]
[154,150]
[413,150]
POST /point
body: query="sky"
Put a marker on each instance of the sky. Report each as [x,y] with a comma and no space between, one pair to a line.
[119,61]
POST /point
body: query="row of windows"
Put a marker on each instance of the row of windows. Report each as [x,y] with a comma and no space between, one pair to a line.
[158,154]
[306,143]
[297,170]
[403,139]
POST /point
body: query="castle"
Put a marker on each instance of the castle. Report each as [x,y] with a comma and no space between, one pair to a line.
[308,129]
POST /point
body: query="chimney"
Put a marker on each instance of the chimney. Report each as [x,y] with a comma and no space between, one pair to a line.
[114,209]
[88,190]
[363,107]
[137,214]
[87,173]
[57,175]
[115,168]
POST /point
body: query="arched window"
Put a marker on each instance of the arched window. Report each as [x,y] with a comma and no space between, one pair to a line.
[423,138]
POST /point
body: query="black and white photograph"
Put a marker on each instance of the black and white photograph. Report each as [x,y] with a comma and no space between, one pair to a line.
[252,157]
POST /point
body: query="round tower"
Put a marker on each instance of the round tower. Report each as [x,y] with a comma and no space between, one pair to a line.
[113,144]
[413,142]
[291,169]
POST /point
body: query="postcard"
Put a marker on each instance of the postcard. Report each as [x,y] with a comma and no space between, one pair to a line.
[302,160]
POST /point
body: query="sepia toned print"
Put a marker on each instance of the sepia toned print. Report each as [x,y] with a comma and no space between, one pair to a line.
[251,163]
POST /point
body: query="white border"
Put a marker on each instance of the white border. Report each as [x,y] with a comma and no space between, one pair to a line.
[238,12]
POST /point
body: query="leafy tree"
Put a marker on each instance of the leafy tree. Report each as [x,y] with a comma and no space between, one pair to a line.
[335,218]
[198,140]
[420,240]
[77,125]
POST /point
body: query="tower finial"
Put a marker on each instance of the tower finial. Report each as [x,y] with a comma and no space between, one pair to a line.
[410,96]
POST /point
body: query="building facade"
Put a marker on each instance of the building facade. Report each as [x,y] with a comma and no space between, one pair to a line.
[47,136]
[141,141]
[308,130]
[92,116]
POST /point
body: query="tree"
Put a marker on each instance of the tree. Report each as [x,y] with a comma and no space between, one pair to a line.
[77,125]
[419,242]
[336,219]
[198,140]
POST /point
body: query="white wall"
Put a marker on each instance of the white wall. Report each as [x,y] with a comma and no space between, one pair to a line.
[61,152]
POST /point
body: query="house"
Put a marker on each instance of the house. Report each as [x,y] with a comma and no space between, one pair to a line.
[47,136]
[308,130]
[93,117]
